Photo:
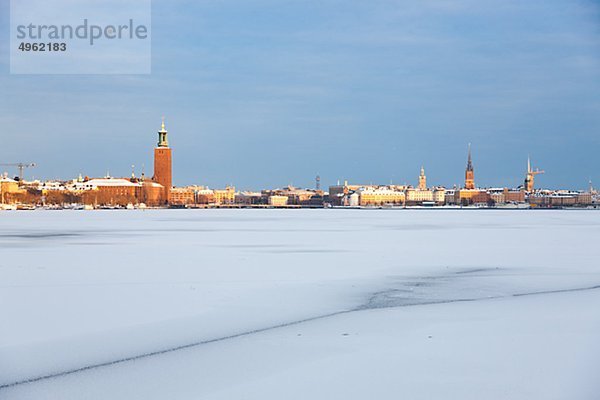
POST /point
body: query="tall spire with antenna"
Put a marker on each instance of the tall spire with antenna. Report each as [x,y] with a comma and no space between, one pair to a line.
[470,172]
[469,160]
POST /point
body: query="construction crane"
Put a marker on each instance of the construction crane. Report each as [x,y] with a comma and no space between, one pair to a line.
[20,166]
[530,177]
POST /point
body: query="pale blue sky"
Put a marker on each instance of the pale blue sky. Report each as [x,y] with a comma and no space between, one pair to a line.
[263,93]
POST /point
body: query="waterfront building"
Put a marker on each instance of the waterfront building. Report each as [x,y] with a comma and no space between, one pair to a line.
[224,196]
[8,188]
[297,196]
[439,196]
[278,200]
[497,195]
[450,196]
[111,191]
[182,196]
[514,196]
[559,198]
[351,200]
[215,196]
[584,198]
[205,196]
[506,196]
[152,193]
[482,198]
[380,195]
[470,196]
[250,198]
[338,192]
[418,196]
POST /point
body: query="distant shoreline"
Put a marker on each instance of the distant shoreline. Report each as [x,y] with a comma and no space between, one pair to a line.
[245,207]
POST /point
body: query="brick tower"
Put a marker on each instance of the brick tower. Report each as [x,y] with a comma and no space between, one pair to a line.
[162,163]
[469,173]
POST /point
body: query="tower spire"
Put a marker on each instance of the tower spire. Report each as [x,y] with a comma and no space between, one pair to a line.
[469,160]
[469,173]
[162,135]
[422,179]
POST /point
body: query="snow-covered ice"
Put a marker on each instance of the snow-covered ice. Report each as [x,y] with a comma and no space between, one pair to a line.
[296,304]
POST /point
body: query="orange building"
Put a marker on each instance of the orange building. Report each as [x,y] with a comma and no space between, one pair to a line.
[9,188]
[469,196]
[163,164]
[183,196]
[152,193]
[111,191]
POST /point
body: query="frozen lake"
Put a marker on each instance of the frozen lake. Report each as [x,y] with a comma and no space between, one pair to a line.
[299,304]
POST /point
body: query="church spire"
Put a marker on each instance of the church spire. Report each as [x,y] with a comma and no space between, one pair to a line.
[469,161]
[469,172]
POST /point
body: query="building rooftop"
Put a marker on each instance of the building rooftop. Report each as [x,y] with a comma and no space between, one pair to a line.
[111,182]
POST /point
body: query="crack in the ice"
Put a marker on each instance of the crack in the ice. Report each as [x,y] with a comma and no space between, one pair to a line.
[471,271]
[278,326]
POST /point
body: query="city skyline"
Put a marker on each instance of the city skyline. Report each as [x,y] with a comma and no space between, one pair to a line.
[157,190]
[264,94]
[163,145]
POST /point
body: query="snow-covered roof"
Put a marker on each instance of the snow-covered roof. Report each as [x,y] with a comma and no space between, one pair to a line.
[248,193]
[379,190]
[7,179]
[153,184]
[111,182]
